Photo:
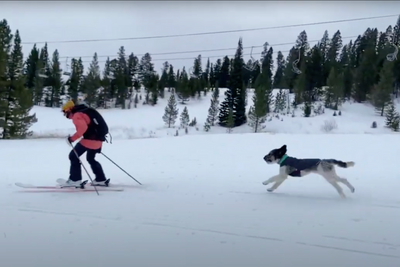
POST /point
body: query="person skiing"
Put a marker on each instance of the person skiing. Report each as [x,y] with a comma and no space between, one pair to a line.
[91,126]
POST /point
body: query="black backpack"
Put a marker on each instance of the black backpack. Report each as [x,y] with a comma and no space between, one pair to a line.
[98,128]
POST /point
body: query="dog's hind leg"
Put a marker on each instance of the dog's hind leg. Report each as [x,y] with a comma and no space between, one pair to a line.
[336,186]
[330,177]
[341,180]
[347,183]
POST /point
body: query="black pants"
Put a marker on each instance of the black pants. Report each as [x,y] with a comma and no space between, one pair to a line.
[75,172]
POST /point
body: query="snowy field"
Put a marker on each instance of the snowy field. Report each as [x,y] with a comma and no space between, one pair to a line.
[202,203]
[146,121]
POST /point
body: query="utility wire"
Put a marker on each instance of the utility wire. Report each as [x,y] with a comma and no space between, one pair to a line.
[214,32]
[198,51]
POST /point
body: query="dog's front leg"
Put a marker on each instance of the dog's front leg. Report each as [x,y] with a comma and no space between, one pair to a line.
[282,175]
[278,182]
[272,179]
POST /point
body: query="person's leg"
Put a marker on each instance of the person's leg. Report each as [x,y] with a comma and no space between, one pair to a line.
[75,172]
[95,165]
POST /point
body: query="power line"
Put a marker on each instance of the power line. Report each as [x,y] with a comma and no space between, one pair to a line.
[199,51]
[184,58]
[215,32]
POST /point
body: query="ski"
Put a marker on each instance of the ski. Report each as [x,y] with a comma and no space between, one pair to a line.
[108,184]
[59,188]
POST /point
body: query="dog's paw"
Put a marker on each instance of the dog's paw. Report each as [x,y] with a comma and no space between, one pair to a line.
[353,190]
[265,182]
[270,190]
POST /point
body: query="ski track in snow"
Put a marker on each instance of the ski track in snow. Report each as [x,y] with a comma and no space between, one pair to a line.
[202,204]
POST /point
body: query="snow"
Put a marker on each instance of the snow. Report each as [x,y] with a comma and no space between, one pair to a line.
[146,121]
[202,202]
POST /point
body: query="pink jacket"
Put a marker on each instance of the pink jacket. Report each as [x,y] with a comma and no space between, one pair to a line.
[81,122]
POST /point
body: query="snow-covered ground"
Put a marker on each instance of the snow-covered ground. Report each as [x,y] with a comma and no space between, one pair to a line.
[202,204]
[146,121]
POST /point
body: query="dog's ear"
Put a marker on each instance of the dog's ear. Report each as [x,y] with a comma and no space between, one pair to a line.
[283,149]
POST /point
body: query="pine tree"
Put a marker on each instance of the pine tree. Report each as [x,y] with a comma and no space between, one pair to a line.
[332,56]
[185,119]
[279,78]
[136,100]
[106,93]
[222,71]
[231,121]
[206,76]
[164,79]
[258,112]
[235,96]
[152,86]
[146,70]
[214,72]
[122,78]
[226,107]
[264,82]
[301,85]
[280,101]
[323,47]
[196,80]
[314,72]
[392,117]
[214,107]
[171,112]
[93,82]
[334,90]
[31,63]
[74,81]
[44,72]
[38,83]
[290,76]
[5,46]
[17,118]
[381,93]
[132,76]
[54,82]
[171,78]
[207,126]
[267,65]
[182,87]
[42,77]
[365,73]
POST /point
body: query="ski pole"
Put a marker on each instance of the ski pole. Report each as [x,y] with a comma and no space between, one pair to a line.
[80,162]
[120,168]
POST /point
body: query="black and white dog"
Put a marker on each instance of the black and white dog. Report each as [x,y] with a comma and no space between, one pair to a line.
[294,167]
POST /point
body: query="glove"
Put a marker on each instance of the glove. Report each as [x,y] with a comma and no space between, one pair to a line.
[69,141]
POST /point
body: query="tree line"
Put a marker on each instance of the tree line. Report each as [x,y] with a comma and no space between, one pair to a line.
[331,71]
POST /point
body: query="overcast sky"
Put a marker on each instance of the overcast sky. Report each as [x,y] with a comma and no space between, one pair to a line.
[73,20]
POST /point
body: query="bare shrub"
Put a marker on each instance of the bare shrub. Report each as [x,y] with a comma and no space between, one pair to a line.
[329,125]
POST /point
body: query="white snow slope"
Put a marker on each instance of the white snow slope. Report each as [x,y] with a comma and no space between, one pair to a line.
[202,204]
[146,121]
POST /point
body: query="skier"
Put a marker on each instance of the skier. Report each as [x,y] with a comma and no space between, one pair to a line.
[91,126]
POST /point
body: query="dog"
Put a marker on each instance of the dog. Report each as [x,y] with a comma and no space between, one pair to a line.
[290,166]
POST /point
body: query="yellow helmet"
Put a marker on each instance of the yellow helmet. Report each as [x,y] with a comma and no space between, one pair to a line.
[68,106]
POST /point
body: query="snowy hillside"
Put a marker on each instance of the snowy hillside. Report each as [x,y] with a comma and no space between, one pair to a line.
[146,121]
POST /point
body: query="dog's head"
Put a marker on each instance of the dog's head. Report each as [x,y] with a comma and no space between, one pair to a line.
[275,155]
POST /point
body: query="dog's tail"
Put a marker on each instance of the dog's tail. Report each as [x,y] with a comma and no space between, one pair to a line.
[341,164]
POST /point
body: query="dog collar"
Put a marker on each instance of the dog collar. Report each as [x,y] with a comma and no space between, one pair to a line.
[282,159]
